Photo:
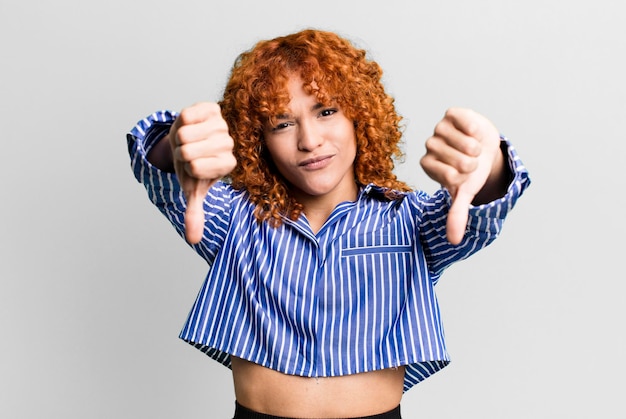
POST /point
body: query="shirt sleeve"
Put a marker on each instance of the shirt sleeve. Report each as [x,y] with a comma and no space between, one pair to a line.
[164,189]
[484,223]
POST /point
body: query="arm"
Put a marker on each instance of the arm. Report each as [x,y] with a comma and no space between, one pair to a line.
[484,223]
[498,181]
[199,150]
[464,155]
[161,155]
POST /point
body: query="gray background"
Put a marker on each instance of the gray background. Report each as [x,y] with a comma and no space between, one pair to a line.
[95,285]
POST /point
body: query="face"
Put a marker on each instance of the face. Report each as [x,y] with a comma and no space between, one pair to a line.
[314,148]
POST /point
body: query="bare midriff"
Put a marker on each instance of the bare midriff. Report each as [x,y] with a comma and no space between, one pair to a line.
[274,393]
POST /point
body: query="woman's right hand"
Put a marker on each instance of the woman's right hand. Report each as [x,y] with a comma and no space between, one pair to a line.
[202,153]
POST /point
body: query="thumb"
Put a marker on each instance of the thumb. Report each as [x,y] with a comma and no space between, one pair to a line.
[458,216]
[194,214]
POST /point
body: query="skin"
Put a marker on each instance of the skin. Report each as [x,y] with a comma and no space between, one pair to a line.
[200,150]
[314,148]
[271,392]
[464,156]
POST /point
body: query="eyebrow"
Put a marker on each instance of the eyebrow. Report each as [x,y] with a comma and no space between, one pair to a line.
[315,107]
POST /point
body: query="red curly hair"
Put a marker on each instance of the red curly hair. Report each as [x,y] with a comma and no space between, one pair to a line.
[335,71]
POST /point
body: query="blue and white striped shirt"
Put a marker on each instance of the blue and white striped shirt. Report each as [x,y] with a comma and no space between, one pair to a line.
[355,297]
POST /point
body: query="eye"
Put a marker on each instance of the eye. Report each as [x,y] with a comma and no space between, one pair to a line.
[328,112]
[281,126]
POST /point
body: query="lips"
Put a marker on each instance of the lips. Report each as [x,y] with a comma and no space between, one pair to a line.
[316,162]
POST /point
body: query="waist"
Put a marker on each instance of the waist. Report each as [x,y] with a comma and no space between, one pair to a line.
[242,412]
[261,389]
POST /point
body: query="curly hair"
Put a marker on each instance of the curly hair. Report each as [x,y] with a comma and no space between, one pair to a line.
[333,70]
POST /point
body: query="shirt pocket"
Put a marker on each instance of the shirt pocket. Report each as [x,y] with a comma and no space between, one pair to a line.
[376,254]
[385,241]
[374,274]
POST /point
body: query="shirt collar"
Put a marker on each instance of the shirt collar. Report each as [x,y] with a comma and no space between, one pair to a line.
[380,193]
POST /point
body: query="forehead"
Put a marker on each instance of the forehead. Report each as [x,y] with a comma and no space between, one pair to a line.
[299,88]
[284,88]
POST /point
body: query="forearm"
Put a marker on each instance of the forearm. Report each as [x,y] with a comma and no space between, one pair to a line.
[160,155]
[498,181]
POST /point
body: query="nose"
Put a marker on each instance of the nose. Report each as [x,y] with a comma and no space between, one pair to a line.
[309,136]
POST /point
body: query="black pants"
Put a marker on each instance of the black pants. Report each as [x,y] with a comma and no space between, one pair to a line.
[245,413]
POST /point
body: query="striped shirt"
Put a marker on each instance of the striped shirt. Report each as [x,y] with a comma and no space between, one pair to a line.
[356,296]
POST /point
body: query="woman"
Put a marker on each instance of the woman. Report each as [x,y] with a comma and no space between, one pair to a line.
[320,290]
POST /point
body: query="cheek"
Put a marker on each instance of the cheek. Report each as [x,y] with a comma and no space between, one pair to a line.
[278,155]
[351,144]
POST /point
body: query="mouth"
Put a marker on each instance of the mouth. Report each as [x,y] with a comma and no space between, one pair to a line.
[318,162]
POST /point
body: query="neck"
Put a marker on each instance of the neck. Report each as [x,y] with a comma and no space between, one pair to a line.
[317,209]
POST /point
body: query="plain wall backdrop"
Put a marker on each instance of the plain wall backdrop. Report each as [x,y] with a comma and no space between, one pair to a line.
[95,285]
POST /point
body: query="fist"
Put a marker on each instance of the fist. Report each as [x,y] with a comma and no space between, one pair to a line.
[202,152]
[201,146]
[464,156]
